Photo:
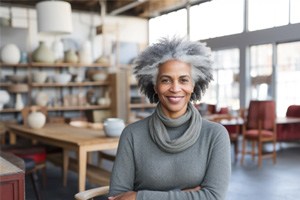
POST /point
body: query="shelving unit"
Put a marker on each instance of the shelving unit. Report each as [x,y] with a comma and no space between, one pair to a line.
[142,107]
[70,88]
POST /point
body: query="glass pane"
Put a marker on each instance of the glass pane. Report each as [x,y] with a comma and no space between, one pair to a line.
[288,76]
[224,90]
[168,25]
[216,18]
[267,13]
[295,11]
[261,71]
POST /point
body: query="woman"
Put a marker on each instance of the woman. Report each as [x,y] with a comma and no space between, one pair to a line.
[174,153]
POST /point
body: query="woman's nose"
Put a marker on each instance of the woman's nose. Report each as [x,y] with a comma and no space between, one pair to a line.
[175,87]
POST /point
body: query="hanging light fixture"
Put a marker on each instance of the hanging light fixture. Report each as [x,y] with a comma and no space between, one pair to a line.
[54,17]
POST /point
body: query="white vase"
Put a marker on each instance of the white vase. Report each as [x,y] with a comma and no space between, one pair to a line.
[85,53]
[36,120]
[19,105]
[10,54]
[4,98]
[43,54]
[58,50]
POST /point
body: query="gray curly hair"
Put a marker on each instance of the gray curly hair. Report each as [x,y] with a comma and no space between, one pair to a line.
[194,53]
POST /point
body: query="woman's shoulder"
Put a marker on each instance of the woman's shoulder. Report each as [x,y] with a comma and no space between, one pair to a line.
[137,127]
[213,127]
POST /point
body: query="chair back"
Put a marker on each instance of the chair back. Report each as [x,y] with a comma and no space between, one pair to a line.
[293,111]
[261,114]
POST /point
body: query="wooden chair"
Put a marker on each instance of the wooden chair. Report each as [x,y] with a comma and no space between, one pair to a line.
[90,194]
[260,128]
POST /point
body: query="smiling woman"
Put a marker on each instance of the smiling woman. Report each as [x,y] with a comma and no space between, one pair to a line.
[174,153]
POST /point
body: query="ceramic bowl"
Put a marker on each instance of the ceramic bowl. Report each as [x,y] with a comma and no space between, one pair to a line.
[39,77]
[62,78]
[113,127]
[16,78]
[100,76]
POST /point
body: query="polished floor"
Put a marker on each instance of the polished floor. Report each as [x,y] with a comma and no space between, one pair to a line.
[248,182]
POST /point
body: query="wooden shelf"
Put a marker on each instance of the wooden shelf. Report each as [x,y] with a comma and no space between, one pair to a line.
[70,108]
[14,65]
[9,110]
[53,65]
[142,105]
[71,84]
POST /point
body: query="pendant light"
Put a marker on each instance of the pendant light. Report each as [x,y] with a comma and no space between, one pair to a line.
[54,17]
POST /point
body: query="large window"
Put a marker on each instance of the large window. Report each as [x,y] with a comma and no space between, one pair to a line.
[261,71]
[224,90]
[267,13]
[216,18]
[288,62]
[295,14]
[168,25]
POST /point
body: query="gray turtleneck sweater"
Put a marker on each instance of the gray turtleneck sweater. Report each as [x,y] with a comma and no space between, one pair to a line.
[143,167]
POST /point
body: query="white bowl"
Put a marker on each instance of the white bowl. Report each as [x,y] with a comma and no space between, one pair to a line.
[99,76]
[62,78]
[39,77]
[113,127]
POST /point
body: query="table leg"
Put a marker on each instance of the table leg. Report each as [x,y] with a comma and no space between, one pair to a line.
[65,166]
[82,162]
[12,138]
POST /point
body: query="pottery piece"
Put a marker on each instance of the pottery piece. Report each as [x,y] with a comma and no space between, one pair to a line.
[10,54]
[62,78]
[43,54]
[4,98]
[19,105]
[58,50]
[113,127]
[85,53]
[99,76]
[42,99]
[71,56]
[39,77]
[36,120]
[16,78]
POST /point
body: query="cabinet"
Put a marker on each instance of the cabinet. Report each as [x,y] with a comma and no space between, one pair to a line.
[70,99]
[12,177]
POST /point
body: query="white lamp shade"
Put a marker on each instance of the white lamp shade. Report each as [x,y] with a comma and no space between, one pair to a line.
[54,17]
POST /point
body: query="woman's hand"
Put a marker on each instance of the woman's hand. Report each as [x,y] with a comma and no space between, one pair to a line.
[124,196]
[195,189]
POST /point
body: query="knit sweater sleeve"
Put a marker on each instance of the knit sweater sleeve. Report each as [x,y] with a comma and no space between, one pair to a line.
[213,187]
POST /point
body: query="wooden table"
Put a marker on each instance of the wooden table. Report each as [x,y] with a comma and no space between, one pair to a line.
[81,140]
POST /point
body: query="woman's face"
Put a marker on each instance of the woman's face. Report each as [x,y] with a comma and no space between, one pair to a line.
[174,87]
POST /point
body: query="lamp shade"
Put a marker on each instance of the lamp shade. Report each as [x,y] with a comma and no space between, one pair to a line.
[54,17]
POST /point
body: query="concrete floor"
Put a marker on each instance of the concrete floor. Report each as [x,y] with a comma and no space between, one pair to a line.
[270,182]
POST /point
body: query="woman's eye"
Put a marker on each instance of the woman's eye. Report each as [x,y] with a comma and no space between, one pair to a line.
[165,81]
[185,80]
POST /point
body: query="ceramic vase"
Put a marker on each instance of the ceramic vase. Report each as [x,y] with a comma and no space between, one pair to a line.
[36,120]
[71,56]
[43,54]
[10,54]
[19,105]
[85,53]
[58,50]
[4,98]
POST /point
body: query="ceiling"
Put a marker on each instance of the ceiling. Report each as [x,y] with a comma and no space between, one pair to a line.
[139,8]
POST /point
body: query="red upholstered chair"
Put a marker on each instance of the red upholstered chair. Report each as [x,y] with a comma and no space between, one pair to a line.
[260,128]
